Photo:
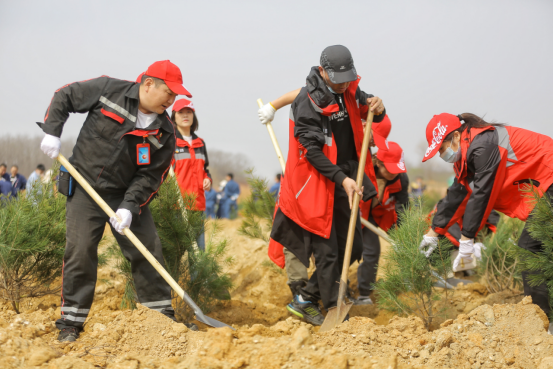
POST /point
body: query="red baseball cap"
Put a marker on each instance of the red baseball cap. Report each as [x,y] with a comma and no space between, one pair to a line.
[382,128]
[393,158]
[183,103]
[437,129]
[380,141]
[139,78]
[170,74]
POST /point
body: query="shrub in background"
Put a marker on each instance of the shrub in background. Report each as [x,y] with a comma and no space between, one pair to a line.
[257,210]
[32,243]
[408,276]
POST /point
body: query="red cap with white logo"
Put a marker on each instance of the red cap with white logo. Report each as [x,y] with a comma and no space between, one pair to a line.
[393,158]
[183,103]
[438,128]
[170,74]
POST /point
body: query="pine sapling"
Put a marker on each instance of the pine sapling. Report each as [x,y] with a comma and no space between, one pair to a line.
[32,243]
[407,285]
[257,210]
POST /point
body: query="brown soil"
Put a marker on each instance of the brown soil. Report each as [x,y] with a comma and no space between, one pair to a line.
[480,331]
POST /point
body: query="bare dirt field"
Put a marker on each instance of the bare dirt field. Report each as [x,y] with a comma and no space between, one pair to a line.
[478,330]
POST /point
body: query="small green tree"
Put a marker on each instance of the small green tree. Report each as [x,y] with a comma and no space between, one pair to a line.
[540,228]
[32,243]
[498,265]
[407,285]
[199,273]
[257,210]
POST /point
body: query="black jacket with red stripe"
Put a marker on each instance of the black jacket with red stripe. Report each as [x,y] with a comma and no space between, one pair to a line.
[106,150]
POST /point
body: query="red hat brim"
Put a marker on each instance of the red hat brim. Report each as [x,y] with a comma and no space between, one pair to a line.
[394,168]
[380,141]
[177,88]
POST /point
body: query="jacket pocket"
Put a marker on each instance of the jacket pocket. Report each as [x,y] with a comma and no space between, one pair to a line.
[114,116]
[109,124]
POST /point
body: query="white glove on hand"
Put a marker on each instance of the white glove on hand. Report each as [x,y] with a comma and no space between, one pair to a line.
[266,113]
[479,247]
[126,218]
[464,253]
[432,242]
[51,145]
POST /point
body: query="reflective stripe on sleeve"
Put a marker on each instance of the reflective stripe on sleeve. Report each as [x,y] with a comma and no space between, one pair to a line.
[118,108]
[74,310]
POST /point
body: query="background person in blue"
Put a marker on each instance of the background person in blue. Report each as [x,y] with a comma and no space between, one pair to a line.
[18,181]
[211,199]
[274,190]
[6,189]
[231,193]
[36,176]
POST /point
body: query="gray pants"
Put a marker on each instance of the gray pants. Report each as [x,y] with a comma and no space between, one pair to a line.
[367,270]
[85,226]
[296,271]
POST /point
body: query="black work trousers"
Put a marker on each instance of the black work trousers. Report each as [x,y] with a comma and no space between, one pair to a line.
[329,254]
[539,293]
[367,270]
[86,222]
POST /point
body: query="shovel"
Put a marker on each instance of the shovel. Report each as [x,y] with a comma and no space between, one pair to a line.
[336,315]
[143,250]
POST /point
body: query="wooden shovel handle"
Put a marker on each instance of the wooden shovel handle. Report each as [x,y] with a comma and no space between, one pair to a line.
[274,140]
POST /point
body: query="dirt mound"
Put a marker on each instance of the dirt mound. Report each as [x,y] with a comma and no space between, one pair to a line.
[511,335]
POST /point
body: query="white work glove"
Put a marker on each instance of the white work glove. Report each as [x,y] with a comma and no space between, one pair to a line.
[479,247]
[51,145]
[464,253]
[126,218]
[234,197]
[431,243]
[266,113]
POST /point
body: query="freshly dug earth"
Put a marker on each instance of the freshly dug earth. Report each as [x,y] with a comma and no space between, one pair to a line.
[491,331]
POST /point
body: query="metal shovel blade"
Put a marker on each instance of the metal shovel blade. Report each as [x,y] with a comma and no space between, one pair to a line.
[335,316]
[211,321]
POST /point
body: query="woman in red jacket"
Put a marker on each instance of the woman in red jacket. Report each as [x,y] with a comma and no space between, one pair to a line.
[495,166]
[191,157]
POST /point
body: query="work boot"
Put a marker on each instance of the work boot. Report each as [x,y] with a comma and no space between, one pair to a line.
[363,300]
[306,310]
[69,334]
[295,286]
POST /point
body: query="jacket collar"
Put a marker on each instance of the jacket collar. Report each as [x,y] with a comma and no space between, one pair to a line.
[133,92]
[317,89]
[162,121]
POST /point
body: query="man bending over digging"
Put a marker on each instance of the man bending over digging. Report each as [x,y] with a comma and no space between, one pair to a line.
[123,150]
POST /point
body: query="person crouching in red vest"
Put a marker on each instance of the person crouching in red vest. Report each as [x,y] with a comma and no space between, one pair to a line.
[191,157]
[326,135]
[495,166]
[393,183]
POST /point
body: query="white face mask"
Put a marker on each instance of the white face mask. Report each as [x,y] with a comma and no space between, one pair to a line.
[449,155]
[330,89]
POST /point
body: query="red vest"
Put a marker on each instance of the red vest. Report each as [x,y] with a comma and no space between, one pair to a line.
[524,155]
[189,169]
[384,214]
[307,197]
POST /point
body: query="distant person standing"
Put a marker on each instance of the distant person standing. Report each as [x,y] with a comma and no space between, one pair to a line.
[274,190]
[6,189]
[231,193]
[211,200]
[18,181]
[34,177]
[418,187]
[3,174]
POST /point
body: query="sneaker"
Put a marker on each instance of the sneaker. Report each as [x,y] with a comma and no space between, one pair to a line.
[363,300]
[68,334]
[306,310]
[192,326]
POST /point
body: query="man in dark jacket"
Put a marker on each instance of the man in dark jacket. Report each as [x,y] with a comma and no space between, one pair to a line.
[123,151]
[317,190]
[19,182]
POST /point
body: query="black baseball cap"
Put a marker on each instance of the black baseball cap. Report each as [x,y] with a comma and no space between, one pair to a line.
[338,64]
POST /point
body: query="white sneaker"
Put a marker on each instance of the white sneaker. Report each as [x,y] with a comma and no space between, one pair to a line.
[550,329]
[363,300]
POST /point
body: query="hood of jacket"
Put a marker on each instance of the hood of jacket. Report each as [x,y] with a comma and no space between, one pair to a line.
[317,89]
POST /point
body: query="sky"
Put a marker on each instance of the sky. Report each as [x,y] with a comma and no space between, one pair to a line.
[492,58]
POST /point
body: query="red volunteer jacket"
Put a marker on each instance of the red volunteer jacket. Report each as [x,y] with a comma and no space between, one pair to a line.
[497,164]
[191,167]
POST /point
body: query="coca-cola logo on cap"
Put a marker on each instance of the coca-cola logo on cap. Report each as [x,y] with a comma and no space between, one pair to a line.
[438,135]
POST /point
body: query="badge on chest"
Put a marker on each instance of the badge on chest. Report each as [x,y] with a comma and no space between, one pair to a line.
[143,154]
